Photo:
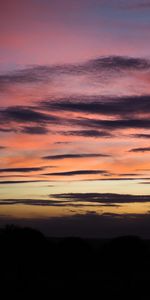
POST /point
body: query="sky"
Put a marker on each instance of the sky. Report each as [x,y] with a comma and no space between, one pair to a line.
[75,116]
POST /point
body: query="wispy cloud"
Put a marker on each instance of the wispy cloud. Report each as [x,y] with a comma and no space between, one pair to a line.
[50,203]
[135,178]
[142,149]
[111,65]
[112,106]
[77,172]
[21,170]
[96,127]
[24,114]
[62,143]
[33,202]
[125,111]
[71,156]
[141,135]
[34,130]
[7,182]
[112,124]
[80,199]
[88,133]
[102,198]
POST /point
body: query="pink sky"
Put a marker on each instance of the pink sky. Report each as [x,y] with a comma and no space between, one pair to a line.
[74,100]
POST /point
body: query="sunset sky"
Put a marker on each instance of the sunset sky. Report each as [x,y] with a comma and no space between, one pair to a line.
[75,116]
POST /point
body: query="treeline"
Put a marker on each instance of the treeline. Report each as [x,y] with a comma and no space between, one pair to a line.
[31,261]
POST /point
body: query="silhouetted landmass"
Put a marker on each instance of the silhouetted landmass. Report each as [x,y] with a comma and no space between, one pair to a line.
[33,263]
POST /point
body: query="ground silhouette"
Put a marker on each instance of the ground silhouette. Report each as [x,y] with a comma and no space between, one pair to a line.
[33,263]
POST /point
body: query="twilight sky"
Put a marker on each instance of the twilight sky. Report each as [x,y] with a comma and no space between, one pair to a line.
[75,116]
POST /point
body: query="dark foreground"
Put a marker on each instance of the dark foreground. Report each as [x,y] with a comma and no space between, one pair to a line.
[33,264]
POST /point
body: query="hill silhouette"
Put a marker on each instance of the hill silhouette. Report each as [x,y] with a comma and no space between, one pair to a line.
[31,262]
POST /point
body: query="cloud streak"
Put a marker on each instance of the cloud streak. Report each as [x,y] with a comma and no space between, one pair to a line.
[142,149]
[113,124]
[24,114]
[50,203]
[72,156]
[34,130]
[7,182]
[21,170]
[102,198]
[111,65]
[141,135]
[80,200]
[88,133]
[77,172]
[111,106]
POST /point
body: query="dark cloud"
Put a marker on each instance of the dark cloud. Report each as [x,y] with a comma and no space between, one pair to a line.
[102,198]
[88,133]
[118,63]
[80,200]
[15,176]
[80,155]
[24,170]
[77,172]
[126,109]
[144,149]
[30,75]
[24,114]
[50,203]
[118,106]
[141,135]
[61,143]
[2,147]
[42,129]
[33,202]
[20,181]
[35,130]
[96,127]
[103,66]
[128,174]
[113,124]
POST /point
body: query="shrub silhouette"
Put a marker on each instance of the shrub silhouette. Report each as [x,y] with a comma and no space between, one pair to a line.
[125,253]
[32,262]
[74,254]
[22,251]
